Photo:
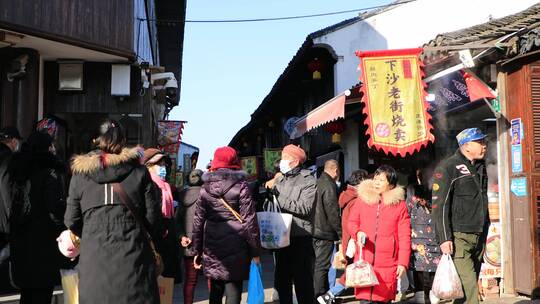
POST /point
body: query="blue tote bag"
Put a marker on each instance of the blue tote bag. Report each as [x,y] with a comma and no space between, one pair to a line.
[255,286]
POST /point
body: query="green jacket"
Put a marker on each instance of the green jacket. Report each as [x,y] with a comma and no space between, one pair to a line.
[459,197]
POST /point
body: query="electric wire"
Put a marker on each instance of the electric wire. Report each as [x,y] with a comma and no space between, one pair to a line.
[277,18]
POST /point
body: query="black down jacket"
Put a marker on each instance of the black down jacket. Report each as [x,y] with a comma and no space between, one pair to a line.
[185,214]
[35,258]
[116,264]
[225,244]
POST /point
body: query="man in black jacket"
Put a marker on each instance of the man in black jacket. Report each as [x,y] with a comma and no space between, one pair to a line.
[326,225]
[460,208]
[10,141]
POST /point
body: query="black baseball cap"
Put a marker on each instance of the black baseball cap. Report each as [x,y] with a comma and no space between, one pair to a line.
[10,132]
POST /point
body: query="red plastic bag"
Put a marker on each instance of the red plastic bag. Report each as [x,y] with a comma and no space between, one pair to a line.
[446,284]
[360,273]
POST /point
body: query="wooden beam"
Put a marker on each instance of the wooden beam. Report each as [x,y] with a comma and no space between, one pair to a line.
[504,191]
[464,46]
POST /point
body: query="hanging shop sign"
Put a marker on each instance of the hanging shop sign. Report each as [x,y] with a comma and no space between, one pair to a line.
[169,135]
[449,92]
[396,107]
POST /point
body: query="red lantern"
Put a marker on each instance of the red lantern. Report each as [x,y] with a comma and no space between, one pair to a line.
[335,128]
[316,66]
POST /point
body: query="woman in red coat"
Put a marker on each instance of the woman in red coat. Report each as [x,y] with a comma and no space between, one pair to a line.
[380,213]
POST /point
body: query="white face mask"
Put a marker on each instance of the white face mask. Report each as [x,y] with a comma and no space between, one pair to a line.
[284,166]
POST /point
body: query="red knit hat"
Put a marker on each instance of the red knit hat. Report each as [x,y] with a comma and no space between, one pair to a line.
[296,152]
[225,157]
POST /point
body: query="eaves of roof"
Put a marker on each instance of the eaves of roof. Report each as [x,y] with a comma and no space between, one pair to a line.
[490,30]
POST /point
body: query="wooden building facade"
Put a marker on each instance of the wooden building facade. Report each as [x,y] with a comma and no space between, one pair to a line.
[38,37]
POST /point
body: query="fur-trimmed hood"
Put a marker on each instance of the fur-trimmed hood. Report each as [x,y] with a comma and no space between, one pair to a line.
[218,182]
[367,194]
[105,167]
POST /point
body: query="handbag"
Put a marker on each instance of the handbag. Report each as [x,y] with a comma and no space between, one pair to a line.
[128,203]
[360,273]
[275,226]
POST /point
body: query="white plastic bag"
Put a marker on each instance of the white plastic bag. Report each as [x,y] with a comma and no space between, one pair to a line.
[275,227]
[446,284]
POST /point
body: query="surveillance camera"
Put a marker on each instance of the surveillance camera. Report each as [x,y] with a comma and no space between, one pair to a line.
[171,92]
[167,82]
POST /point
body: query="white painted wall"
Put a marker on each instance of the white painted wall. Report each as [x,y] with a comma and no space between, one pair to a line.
[350,141]
[406,26]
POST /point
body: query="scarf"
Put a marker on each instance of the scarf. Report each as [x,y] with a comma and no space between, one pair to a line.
[167,208]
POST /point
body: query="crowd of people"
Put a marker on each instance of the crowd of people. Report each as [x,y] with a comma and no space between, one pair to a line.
[120,224]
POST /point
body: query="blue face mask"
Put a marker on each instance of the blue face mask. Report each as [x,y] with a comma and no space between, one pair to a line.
[161,172]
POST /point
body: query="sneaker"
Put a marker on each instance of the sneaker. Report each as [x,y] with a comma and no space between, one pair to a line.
[326,298]
[400,297]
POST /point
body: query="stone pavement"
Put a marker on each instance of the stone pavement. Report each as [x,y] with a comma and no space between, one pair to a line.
[201,293]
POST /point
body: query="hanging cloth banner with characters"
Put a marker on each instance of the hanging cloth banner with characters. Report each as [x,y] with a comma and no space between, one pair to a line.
[396,107]
[169,135]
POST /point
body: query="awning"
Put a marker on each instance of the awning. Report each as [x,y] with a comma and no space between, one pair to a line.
[327,112]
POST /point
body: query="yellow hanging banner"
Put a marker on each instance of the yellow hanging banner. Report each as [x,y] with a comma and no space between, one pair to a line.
[396,107]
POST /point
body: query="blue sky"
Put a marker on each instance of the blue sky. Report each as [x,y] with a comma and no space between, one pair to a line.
[229,68]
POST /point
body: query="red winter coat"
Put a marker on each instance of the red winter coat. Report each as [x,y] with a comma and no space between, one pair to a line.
[388,242]
[346,202]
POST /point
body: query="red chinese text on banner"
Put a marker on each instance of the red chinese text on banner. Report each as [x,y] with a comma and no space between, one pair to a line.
[170,134]
[396,107]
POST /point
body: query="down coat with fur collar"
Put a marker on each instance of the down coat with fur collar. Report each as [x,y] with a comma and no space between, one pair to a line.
[116,264]
[386,222]
[226,245]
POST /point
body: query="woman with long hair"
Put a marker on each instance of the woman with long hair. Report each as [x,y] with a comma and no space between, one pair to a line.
[117,262]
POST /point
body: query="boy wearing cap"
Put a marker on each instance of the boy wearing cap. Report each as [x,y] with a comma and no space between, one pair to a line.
[460,208]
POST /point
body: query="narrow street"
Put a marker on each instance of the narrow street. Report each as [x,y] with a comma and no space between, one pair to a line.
[201,294]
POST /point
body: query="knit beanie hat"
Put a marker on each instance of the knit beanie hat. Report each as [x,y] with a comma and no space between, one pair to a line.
[225,157]
[296,152]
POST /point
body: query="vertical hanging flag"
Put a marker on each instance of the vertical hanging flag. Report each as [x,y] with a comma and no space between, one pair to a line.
[396,107]
[170,133]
